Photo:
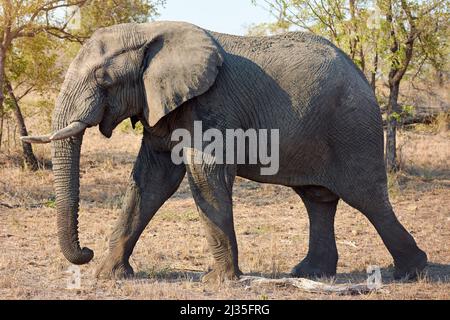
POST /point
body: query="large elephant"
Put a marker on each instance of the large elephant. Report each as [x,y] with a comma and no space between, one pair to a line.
[168,75]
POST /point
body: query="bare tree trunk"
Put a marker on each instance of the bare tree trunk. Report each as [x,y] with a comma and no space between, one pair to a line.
[373,80]
[391,132]
[1,125]
[440,78]
[353,41]
[7,136]
[362,58]
[398,69]
[2,98]
[27,150]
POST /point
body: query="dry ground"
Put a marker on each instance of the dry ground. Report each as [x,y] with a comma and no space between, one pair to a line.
[271,224]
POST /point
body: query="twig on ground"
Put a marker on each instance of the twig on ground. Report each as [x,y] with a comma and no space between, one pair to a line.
[27,206]
[310,285]
[6,205]
[348,243]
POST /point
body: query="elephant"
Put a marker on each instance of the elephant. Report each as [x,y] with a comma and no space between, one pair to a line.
[169,75]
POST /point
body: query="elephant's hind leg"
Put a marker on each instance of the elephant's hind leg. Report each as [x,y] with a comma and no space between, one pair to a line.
[322,257]
[359,178]
[211,186]
[372,200]
[153,180]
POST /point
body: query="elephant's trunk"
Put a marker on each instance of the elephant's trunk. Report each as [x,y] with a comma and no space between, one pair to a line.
[66,169]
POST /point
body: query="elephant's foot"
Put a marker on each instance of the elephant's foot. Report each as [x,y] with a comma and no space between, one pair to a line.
[111,269]
[308,268]
[412,268]
[221,274]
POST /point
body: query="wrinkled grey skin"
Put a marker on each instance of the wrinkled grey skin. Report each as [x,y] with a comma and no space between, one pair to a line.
[167,75]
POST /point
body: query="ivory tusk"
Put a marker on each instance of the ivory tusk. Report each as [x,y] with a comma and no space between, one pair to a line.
[71,130]
[36,139]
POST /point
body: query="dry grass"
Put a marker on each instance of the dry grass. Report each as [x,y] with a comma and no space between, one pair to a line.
[271,224]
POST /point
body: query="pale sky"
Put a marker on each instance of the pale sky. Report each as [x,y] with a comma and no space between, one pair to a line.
[226,16]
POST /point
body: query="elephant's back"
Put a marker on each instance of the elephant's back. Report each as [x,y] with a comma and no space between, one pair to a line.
[298,53]
[284,48]
[234,43]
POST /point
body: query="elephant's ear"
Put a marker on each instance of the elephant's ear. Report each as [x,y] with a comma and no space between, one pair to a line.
[180,62]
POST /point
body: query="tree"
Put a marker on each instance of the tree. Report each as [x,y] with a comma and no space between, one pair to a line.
[32,68]
[31,32]
[25,19]
[392,34]
[103,13]
[408,28]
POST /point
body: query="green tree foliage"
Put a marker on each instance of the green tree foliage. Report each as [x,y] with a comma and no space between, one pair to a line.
[102,13]
[413,32]
[37,42]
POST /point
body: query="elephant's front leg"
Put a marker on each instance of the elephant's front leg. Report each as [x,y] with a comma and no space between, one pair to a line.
[153,180]
[211,186]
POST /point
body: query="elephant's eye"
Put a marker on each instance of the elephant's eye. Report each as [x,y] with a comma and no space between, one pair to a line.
[103,78]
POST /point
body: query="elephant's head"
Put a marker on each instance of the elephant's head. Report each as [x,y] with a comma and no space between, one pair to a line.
[131,70]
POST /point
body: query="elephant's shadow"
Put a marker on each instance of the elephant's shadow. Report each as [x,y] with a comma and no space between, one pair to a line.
[435,273]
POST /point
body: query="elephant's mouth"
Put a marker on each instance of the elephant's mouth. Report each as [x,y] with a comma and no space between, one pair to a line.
[106,130]
[108,124]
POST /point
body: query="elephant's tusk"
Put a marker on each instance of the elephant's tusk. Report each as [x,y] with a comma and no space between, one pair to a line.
[71,130]
[36,139]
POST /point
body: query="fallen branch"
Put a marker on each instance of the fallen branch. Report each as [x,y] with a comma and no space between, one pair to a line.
[6,205]
[26,206]
[348,243]
[310,285]
[424,117]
